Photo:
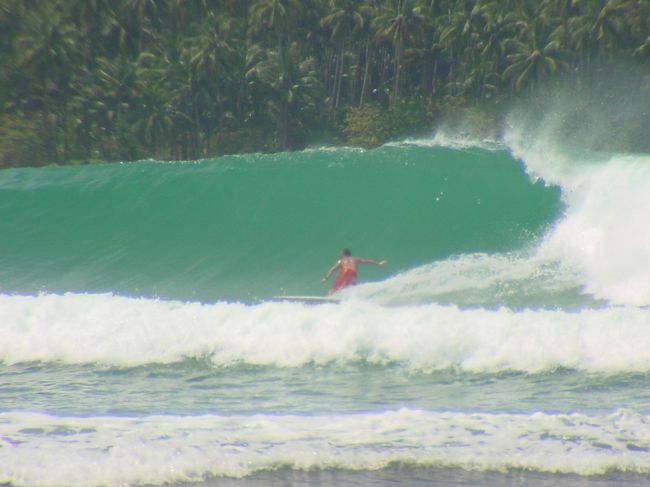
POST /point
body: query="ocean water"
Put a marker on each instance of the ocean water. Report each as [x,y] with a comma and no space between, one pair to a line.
[506,343]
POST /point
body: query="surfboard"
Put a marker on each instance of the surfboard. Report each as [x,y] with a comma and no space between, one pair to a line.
[307,299]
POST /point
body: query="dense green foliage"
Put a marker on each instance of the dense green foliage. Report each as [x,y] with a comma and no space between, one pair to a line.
[127,79]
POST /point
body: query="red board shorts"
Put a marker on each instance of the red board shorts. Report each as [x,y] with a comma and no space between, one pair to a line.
[347,277]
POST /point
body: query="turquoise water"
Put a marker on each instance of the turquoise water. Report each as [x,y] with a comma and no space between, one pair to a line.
[504,344]
[255,226]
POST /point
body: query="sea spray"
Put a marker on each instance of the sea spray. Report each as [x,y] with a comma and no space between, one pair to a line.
[605,234]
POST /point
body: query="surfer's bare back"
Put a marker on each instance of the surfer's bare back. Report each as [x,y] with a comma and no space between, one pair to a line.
[347,266]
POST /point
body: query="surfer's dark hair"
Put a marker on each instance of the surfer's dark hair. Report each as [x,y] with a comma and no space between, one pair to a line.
[346,252]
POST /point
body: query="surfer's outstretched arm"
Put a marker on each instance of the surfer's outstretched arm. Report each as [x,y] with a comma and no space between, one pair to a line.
[372,261]
[331,271]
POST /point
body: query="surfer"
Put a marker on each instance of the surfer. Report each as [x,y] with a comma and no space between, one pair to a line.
[347,266]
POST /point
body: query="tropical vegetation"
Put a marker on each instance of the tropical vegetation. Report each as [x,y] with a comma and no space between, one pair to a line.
[84,80]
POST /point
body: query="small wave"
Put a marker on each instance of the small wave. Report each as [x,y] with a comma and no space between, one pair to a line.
[42,450]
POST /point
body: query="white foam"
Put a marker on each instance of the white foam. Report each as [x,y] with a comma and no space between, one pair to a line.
[524,279]
[127,332]
[43,450]
[605,233]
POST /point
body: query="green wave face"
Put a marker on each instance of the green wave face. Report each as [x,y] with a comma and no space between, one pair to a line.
[253,226]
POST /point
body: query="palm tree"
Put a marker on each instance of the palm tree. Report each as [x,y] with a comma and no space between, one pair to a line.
[289,89]
[275,17]
[600,27]
[210,59]
[530,64]
[48,59]
[156,127]
[396,20]
[344,21]
[500,28]
[458,29]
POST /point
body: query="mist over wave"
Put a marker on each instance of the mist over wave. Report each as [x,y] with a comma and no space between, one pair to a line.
[585,142]
[579,142]
[119,331]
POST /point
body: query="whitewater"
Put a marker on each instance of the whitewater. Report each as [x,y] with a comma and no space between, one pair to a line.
[504,344]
